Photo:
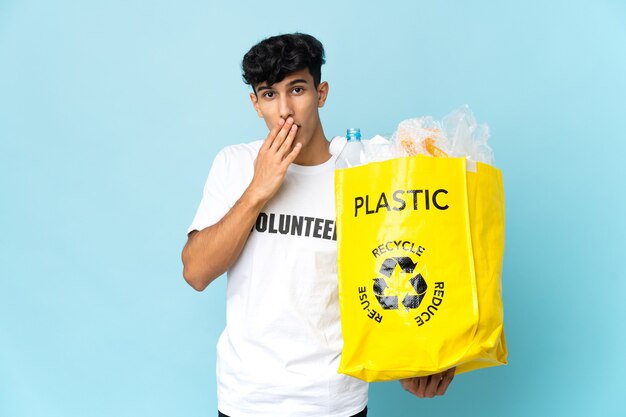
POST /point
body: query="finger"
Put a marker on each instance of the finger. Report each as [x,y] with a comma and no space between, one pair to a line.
[405,383]
[445,382]
[431,386]
[293,154]
[282,134]
[267,143]
[409,385]
[288,140]
[421,386]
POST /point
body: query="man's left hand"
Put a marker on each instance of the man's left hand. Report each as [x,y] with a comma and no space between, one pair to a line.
[429,386]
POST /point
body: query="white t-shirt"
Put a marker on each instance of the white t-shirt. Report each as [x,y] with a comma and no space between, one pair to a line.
[280,350]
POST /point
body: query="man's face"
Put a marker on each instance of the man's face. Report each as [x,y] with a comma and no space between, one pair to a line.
[295,96]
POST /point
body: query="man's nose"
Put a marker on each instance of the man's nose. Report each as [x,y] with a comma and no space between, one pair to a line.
[286,109]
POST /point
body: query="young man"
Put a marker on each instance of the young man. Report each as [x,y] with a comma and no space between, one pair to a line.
[267,217]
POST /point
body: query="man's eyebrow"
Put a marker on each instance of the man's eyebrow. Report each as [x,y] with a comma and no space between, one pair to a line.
[299,80]
[289,84]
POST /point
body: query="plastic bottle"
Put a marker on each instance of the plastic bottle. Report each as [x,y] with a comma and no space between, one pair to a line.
[353,153]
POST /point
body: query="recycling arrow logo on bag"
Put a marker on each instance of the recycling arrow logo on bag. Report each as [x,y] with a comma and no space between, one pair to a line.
[398,280]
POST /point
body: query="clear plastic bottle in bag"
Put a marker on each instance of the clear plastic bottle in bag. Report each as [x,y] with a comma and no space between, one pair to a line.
[353,153]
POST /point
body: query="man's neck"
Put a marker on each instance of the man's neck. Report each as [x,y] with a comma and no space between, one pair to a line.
[316,152]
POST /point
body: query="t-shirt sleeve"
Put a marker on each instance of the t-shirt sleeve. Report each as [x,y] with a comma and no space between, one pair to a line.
[215,202]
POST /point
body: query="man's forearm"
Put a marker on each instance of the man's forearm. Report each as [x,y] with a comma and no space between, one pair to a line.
[211,251]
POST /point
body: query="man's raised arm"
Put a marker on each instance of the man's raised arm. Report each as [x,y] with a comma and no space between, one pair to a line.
[201,264]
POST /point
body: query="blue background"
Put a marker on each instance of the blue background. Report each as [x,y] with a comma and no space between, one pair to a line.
[111,113]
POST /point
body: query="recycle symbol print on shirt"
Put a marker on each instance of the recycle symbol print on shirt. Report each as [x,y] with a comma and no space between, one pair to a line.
[397,280]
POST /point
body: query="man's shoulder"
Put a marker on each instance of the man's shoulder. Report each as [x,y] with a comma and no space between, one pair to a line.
[240,152]
[235,163]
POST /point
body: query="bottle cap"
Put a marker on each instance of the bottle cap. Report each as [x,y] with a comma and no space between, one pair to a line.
[354,133]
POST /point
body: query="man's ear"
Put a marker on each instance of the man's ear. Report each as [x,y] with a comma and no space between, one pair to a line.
[255,102]
[322,93]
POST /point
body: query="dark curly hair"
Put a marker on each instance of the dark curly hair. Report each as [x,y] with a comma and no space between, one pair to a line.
[272,59]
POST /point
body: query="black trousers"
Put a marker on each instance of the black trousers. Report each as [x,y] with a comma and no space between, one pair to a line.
[363,413]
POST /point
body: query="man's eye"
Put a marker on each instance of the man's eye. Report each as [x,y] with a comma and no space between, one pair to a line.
[298,90]
[269,94]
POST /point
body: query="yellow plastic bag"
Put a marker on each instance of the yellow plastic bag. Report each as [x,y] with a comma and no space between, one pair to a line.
[420,244]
